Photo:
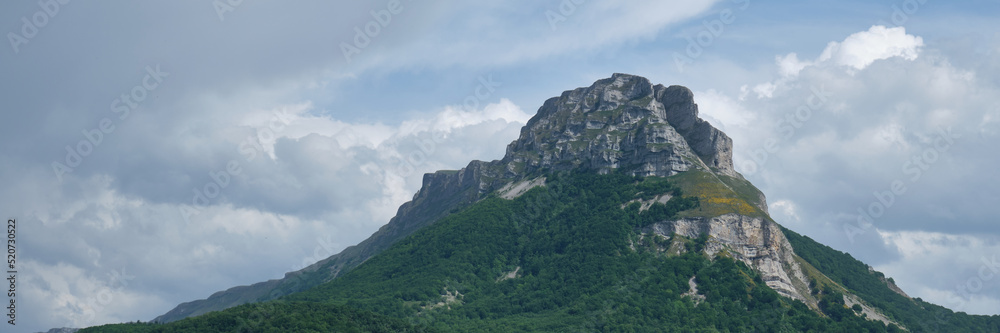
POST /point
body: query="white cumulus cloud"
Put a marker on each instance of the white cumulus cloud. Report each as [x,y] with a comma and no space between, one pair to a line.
[862,48]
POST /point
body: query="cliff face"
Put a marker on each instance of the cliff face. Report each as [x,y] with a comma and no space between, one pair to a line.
[626,123]
[755,241]
[623,123]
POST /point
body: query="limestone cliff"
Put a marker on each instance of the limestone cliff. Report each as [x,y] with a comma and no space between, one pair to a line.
[756,241]
[622,123]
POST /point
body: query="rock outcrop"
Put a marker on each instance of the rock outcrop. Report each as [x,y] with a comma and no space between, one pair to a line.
[623,122]
[756,241]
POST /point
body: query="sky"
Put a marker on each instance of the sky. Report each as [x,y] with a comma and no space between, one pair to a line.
[155,152]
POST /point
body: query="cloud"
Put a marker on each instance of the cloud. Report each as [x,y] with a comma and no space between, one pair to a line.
[314,181]
[862,48]
[784,207]
[832,138]
[857,51]
[328,148]
[954,270]
[75,298]
[549,28]
[790,65]
[721,110]
[257,133]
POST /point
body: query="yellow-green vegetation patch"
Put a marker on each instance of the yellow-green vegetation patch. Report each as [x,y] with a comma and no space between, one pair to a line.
[745,190]
[715,196]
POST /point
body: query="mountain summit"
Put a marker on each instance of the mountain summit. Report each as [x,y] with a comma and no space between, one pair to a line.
[623,122]
[617,208]
[626,123]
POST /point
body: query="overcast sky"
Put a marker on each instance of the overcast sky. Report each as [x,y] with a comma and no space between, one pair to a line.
[156,152]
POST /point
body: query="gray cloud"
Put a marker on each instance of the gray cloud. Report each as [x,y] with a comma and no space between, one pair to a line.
[924,123]
[350,153]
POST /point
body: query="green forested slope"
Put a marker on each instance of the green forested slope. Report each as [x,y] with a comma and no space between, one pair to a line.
[915,314]
[580,266]
[277,317]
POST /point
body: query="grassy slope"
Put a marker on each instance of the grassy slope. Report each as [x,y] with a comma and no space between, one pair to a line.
[719,195]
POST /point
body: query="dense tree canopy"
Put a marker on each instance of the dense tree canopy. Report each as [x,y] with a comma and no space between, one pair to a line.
[568,256]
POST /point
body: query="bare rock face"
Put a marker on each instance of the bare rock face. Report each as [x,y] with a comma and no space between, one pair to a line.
[623,122]
[755,241]
[713,146]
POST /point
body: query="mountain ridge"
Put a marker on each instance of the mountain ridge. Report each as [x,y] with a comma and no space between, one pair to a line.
[443,191]
[624,125]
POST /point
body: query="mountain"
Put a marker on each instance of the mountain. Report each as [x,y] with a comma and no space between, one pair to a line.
[61,330]
[651,150]
[617,209]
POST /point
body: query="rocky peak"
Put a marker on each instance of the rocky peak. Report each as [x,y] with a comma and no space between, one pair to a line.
[622,122]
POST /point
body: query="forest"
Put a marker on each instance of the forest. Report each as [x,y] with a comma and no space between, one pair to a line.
[568,256]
